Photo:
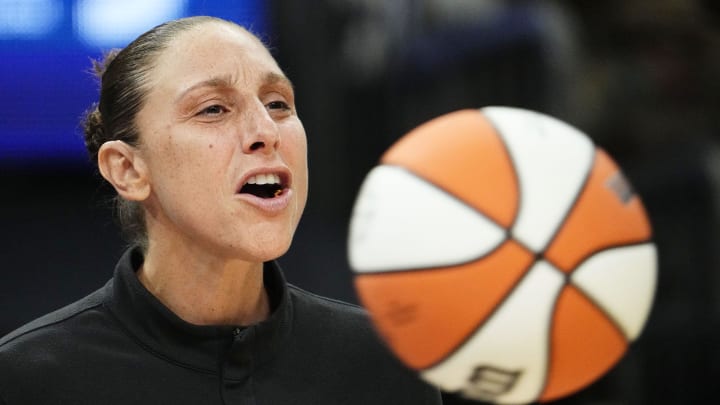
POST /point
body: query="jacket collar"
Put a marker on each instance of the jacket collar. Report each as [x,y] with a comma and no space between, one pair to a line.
[207,348]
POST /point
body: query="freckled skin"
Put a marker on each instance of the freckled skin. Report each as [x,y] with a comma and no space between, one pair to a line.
[218,108]
[193,188]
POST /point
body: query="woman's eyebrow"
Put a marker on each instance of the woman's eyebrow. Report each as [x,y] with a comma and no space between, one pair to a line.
[273,78]
[214,82]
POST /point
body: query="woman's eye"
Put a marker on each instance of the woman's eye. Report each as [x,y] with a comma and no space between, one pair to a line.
[213,110]
[278,105]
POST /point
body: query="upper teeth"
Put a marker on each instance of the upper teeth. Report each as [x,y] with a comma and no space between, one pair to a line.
[264,179]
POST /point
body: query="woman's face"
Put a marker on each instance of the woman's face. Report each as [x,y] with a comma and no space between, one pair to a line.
[218,121]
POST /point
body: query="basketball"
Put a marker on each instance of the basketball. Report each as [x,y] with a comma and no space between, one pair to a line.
[502,255]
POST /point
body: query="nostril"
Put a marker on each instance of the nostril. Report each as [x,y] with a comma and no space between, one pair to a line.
[257,145]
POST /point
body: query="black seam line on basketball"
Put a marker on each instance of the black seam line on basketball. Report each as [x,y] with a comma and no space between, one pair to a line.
[513,165]
[548,349]
[444,267]
[448,193]
[602,309]
[550,322]
[518,182]
[613,320]
[454,197]
[478,327]
[568,283]
[548,352]
[603,249]
[572,206]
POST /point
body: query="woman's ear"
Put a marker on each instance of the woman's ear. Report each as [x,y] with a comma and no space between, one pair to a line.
[121,165]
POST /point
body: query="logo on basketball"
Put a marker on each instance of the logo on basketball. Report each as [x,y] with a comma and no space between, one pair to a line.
[488,382]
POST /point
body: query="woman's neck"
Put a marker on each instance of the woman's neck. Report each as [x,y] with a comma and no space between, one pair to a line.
[206,290]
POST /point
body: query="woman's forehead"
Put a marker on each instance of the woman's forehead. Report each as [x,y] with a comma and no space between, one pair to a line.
[213,49]
[214,39]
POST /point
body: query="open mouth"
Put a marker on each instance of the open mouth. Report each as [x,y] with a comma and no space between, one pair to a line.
[264,186]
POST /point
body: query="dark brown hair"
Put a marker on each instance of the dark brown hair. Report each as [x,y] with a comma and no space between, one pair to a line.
[123,76]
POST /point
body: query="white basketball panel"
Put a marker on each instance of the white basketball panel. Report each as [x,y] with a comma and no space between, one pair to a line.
[622,281]
[552,160]
[401,221]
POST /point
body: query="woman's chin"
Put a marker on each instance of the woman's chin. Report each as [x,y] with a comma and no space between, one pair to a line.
[263,252]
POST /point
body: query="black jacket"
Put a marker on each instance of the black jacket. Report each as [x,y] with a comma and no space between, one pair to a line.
[120,345]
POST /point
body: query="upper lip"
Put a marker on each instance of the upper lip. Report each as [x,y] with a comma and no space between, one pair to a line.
[282,172]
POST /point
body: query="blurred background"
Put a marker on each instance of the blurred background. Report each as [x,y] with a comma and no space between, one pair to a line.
[641,77]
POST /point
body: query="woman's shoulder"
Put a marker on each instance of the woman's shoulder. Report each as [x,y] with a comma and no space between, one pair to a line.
[51,330]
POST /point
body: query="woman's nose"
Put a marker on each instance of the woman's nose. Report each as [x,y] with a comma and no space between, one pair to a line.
[260,131]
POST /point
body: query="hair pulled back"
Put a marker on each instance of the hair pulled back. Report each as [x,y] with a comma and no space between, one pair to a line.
[123,76]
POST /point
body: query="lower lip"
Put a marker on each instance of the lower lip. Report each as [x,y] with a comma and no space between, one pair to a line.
[270,206]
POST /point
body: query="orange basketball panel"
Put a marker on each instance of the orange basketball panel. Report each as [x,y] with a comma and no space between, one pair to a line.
[462,153]
[607,213]
[584,345]
[425,314]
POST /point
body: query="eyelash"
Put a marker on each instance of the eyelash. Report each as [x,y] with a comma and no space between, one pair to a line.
[220,110]
[278,105]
